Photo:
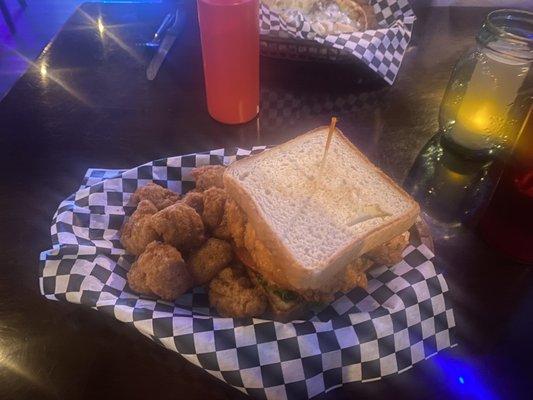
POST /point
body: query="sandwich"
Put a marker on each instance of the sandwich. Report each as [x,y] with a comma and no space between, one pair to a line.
[306,223]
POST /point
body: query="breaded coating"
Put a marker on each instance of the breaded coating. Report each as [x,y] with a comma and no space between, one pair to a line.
[261,255]
[209,176]
[236,222]
[233,294]
[205,263]
[137,279]
[160,270]
[318,296]
[390,253]
[158,195]
[180,226]
[222,230]
[355,274]
[195,200]
[137,231]
[214,205]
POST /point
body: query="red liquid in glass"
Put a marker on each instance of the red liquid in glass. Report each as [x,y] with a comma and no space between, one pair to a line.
[230,48]
[507,223]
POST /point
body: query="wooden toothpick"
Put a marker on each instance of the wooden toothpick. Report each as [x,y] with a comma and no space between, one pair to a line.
[328,141]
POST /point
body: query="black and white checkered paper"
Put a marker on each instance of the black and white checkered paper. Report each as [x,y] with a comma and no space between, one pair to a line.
[382,49]
[402,318]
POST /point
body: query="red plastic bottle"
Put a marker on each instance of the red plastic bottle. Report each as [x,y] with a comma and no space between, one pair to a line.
[229,31]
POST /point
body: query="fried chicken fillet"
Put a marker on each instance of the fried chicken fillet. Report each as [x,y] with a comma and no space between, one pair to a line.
[390,253]
[256,253]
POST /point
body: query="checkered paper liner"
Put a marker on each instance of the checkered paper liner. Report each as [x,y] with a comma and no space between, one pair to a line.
[403,317]
[382,49]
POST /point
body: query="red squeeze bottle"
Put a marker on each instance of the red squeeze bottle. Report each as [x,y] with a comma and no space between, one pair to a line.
[229,30]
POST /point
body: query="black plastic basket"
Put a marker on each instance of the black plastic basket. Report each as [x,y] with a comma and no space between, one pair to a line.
[302,50]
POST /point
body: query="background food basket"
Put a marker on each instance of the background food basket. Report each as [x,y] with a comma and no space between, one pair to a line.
[381,49]
[302,50]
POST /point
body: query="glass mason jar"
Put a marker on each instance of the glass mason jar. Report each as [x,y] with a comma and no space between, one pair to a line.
[490,87]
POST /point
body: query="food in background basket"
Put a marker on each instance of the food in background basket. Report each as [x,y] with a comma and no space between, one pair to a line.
[300,222]
[326,16]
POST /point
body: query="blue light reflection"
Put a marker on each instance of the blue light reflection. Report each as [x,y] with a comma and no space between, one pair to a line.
[465,379]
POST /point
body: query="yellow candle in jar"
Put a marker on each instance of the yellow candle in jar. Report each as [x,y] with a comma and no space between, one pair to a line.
[483,119]
[479,123]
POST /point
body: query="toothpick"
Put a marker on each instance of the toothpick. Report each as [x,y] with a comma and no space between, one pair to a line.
[328,141]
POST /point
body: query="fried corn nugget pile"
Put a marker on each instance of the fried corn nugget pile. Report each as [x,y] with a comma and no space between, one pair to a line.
[180,242]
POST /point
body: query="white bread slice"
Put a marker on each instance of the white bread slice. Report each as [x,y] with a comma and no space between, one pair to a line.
[304,215]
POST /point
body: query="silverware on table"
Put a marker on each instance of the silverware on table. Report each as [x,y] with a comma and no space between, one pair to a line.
[158,35]
[166,44]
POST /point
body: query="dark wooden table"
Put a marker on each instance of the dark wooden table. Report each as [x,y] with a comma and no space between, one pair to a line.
[86,103]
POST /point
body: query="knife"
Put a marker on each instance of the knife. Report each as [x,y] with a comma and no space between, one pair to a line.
[167,22]
[166,44]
